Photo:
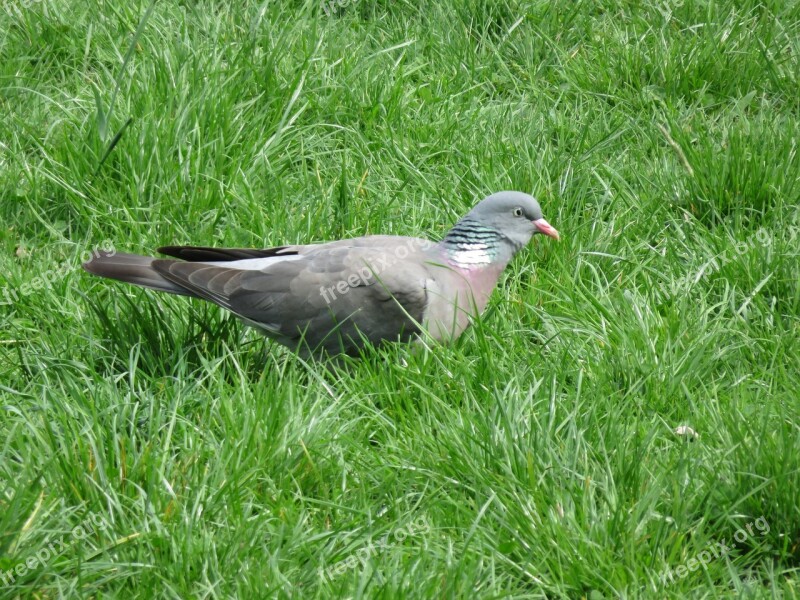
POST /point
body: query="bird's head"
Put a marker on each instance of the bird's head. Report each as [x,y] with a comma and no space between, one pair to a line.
[515,215]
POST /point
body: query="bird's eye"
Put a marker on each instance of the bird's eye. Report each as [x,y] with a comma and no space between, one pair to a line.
[518,212]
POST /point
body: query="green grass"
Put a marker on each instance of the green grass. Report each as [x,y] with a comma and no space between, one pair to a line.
[535,457]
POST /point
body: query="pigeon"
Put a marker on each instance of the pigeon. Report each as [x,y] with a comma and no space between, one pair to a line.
[339,297]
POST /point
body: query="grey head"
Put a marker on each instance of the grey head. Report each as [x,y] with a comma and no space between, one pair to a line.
[495,230]
[515,215]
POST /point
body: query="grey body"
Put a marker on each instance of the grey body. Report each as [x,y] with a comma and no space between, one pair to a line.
[334,297]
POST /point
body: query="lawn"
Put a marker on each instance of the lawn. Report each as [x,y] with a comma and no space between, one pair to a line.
[624,419]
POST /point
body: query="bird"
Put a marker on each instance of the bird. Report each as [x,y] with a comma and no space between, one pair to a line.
[334,298]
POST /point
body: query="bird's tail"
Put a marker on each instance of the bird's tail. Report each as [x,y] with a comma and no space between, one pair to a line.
[132,268]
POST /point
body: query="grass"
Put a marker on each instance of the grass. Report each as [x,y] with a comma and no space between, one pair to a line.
[152,446]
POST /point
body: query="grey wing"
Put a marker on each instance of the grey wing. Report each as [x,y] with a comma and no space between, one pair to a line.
[329,300]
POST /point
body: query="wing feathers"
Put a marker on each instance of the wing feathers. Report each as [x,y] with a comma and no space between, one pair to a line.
[204,281]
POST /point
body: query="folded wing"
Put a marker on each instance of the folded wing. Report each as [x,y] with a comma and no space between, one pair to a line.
[328,297]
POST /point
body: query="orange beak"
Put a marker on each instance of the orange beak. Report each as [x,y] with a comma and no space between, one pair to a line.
[545,228]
